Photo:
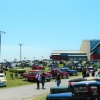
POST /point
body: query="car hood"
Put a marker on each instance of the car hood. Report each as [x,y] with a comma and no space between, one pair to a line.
[60,95]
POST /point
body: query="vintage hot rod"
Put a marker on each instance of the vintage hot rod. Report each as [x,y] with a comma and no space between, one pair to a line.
[85,90]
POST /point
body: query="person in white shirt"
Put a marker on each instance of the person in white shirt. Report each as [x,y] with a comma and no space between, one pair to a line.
[38,78]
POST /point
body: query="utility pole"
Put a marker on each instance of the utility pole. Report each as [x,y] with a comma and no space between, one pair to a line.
[1,32]
[20,51]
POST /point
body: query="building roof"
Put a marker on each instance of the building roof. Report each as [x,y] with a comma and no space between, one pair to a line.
[67,51]
[77,55]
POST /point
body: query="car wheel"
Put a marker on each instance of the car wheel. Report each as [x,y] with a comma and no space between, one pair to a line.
[48,80]
[26,79]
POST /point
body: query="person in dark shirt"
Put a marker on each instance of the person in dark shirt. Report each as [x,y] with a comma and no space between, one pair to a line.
[43,79]
[58,79]
[84,72]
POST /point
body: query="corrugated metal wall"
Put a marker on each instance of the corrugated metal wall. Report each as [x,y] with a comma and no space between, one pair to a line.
[95,56]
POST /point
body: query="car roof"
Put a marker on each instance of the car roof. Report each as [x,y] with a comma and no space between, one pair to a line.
[86,83]
[77,80]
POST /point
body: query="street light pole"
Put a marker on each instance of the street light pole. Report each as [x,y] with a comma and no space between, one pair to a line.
[20,51]
[1,32]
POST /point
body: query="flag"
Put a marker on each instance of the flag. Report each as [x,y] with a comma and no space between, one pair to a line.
[42,56]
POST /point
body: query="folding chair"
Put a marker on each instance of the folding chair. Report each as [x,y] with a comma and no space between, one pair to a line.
[11,76]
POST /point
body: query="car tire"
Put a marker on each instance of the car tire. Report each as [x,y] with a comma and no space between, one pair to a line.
[26,79]
[48,80]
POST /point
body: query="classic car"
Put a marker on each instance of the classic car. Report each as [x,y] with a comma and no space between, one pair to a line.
[17,70]
[3,79]
[68,88]
[91,68]
[85,90]
[70,72]
[37,66]
[31,75]
[79,67]
[63,74]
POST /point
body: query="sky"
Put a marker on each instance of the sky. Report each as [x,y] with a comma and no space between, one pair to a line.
[43,26]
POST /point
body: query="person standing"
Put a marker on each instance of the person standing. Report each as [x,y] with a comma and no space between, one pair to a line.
[43,79]
[93,73]
[87,73]
[38,80]
[84,72]
[58,79]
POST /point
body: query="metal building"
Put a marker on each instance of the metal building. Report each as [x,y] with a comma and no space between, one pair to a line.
[89,50]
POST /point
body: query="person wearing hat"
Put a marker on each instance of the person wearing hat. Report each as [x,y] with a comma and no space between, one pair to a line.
[38,79]
[58,79]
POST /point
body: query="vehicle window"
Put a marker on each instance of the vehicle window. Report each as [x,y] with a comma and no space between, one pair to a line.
[35,73]
[1,75]
[66,69]
[62,70]
[94,90]
[81,90]
[53,71]
[30,72]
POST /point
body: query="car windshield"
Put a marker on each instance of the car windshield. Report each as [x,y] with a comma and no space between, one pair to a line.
[1,75]
[64,69]
[90,68]
[35,72]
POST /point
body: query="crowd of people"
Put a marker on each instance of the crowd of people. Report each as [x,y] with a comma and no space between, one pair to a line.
[40,78]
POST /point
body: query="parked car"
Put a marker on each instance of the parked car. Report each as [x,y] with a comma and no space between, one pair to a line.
[63,74]
[63,89]
[17,70]
[70,72]
[85,90]
[78,67]
[36,66]
[3,80]
[31,75]
[91,68]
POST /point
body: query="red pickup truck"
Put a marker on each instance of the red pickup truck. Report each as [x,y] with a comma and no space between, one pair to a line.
[31,75]
[63,74]
[37,66]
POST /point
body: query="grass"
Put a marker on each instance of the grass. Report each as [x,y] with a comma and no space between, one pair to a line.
[15,82]
[41,97]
